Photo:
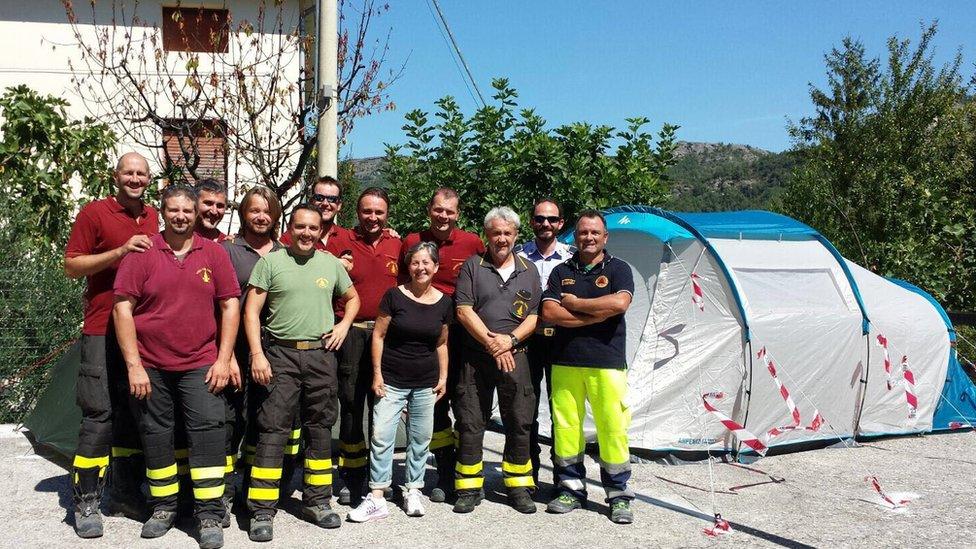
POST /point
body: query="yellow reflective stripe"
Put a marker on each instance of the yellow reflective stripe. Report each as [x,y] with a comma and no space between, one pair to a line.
[468,469]
[262,493]
[468,483]
[162,473]
[318,464]
[183,469]
[165,490]
[517,469]
[514,482]
[352,463]
[296,434]
[204,473]
[291,449]
[119,452]
[182,453]
[229,466]
[82,462]
[441,435]
[212,492]
[352,447]
[266,473]
[318,479]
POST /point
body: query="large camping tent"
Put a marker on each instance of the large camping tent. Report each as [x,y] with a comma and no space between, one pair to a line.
[715,289]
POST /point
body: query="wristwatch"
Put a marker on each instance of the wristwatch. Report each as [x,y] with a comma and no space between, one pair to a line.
[515,340]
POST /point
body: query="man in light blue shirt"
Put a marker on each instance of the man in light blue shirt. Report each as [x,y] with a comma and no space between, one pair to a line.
[545,252]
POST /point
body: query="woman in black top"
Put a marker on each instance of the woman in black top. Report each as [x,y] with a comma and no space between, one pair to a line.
[409,372]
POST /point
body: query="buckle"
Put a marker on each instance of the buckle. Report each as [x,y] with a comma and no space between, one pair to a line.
[303,345]
[548,332]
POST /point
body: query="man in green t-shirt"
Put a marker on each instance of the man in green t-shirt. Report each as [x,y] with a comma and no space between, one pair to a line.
[295,364]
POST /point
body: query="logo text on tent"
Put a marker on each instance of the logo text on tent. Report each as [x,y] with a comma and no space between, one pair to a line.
[624,220]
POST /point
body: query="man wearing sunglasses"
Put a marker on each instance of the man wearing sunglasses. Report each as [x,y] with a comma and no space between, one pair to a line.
[327,197]
[546,253]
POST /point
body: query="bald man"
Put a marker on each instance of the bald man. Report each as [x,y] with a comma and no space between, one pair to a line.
[104,232]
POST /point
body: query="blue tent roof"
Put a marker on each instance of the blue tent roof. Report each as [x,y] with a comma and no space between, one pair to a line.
[750,224]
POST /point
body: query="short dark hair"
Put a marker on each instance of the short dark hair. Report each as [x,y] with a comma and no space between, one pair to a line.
[544,200]
[303,206]
[327,180]
[210,185]
[177,189]
[592,214]
[374,191]
[446,192]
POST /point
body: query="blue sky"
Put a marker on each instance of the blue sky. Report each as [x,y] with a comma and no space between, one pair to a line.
[733,72]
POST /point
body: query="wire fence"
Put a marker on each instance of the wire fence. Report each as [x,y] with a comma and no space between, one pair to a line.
[40,317]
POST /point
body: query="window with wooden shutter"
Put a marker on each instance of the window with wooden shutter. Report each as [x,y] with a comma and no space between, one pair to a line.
[195,29]
[203,142]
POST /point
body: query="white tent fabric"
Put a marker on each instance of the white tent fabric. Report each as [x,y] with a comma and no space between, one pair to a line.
[780,287]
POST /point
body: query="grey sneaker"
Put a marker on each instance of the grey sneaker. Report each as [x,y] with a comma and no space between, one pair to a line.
[158,524]
[261,528]
[564,503]
[211,534]
[88,520]
[620,512]
[322,515]
[438,495]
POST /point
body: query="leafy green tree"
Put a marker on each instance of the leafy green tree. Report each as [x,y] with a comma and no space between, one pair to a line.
[504,155]
[885,165]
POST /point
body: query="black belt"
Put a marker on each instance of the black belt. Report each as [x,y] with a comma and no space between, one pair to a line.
[301,345]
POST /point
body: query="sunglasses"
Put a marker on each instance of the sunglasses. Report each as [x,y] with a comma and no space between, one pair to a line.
[552,219]
[331,199]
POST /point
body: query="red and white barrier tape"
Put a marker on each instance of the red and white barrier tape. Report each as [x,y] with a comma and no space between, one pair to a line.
[815,423]
[895,504]
[721,527]
[883,343]
[744,436]
[909,388]
[957,425]
[698,298]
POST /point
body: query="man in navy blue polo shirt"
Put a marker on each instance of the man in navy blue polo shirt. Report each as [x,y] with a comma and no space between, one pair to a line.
[587,297]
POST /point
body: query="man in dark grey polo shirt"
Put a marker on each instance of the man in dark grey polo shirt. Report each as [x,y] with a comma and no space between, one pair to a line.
[259,213]
[497,299]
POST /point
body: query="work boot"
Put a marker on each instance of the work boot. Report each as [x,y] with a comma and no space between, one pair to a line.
[467,501]
[261,528]
[211,534]
[321,515]
[228,502]
[88,520]
[521,500]
[158,524]
[620,512]
[564,503]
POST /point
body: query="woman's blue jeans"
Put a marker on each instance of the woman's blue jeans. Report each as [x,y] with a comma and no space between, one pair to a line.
[419,404]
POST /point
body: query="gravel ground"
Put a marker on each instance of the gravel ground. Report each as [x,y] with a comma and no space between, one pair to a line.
[822,500]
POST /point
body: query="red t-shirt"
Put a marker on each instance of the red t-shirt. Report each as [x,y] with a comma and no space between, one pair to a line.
[102,226]
[333,232]
[216,235]
[453,253]
[174,314]
[374,269]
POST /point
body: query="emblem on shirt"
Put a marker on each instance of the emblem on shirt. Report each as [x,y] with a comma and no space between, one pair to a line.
[457,266]
[321,282]
[205,274]
[391,267]
[520,307]
[568,282]
[601,281]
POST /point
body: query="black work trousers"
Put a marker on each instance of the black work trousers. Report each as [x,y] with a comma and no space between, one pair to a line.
[477,382]
[202,414]
[107,424]
[355,390]
[443,442]
[303,381]
[539,352]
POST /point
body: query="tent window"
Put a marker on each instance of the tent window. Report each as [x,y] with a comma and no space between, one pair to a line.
[780,290]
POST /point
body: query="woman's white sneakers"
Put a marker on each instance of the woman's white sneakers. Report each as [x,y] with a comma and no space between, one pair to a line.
[412,503]
[371,508]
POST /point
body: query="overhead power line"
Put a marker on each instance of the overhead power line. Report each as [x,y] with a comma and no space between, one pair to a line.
[457,50]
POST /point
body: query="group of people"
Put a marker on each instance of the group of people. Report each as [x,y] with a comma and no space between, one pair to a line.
[199,347]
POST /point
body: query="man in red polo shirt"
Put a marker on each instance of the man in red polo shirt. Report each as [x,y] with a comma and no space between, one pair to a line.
[375,256]
[104,232]
[455,247]
[211,207]
[327,197]
[167,330]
